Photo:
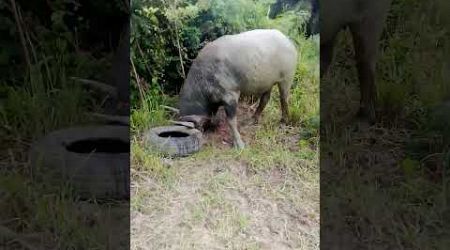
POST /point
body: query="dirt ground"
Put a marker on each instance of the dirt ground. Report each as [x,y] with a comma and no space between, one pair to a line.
[265,197]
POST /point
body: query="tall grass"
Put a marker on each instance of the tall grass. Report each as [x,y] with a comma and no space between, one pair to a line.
[39,107]
[150,111]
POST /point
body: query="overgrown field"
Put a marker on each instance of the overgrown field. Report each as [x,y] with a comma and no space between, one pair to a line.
[264,197]
[386,185]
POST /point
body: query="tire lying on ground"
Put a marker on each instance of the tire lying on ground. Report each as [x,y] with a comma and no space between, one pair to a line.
[94,160]
[174,141]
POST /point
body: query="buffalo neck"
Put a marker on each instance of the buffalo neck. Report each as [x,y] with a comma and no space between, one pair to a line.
[195,96]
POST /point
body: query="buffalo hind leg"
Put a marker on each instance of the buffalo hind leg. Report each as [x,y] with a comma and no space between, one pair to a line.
[284,88]
[231,110]
[262,104]
[365,40]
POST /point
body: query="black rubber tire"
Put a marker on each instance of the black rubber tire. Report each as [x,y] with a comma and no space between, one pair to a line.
[174,146]
[92,175]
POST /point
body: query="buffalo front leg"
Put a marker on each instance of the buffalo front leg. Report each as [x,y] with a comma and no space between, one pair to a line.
[231,110]
[262,104]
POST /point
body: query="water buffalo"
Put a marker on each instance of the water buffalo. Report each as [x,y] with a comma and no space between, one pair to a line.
[249,63]
[365,19]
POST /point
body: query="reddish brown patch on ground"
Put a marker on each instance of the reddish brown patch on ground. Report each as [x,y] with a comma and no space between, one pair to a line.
[220,135]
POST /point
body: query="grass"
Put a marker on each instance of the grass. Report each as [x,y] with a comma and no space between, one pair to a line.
[381,191]
[24,108]
[219,198]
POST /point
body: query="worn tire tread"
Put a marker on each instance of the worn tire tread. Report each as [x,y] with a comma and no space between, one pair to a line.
[174,146]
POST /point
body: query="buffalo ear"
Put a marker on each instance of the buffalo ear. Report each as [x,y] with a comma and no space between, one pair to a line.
[198,120]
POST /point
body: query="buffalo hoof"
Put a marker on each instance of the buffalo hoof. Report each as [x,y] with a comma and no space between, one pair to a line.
[240,145]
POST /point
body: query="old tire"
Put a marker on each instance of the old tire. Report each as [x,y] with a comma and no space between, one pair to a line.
[63,155]
[174,141]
